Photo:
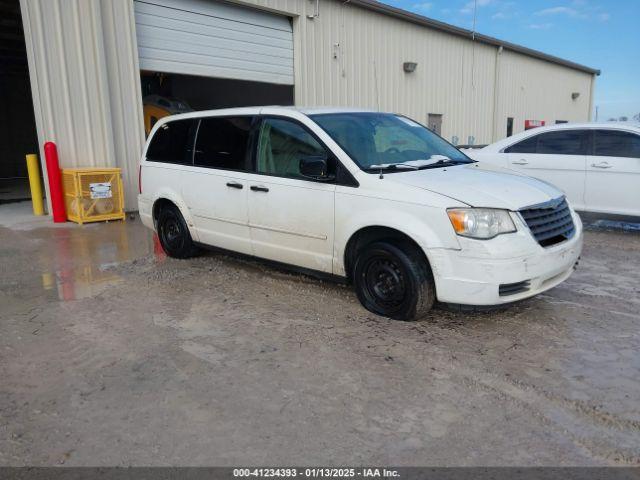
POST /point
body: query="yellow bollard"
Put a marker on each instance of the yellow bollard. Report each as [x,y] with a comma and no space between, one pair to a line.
[34,183]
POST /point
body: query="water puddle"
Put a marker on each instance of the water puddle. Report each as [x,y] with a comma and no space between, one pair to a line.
[77,284]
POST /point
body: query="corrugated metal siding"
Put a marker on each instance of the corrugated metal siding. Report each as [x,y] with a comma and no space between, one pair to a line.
[455,76]
[85,82]
[531,89]
[200,37]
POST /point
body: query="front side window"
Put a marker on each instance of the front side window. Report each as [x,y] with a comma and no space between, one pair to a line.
[222,142]
[281,146]
[172,142]
[569,142]
[615,143]
[384,140]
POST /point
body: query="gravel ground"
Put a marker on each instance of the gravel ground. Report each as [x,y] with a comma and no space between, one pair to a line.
[112,354]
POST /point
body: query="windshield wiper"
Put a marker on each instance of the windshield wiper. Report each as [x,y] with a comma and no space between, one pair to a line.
[391,166]
[439,162]
[434,161]
[425,162]
[385,167]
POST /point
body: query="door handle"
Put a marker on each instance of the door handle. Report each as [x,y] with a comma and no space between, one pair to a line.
[237,185]
[520,162]
[601,165]
[257,188]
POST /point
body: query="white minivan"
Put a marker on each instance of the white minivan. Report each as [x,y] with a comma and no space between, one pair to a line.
[374,198]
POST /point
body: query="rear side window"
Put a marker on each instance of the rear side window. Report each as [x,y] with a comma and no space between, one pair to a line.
[614,143]
[565,142]
[222,142]
[172,142]
[528,145]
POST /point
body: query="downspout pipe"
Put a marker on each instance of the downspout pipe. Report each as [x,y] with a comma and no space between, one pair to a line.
[496,85]
[591,96]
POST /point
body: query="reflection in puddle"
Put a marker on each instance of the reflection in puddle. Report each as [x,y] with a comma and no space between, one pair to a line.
[83,261]
[157,249]
[78,284]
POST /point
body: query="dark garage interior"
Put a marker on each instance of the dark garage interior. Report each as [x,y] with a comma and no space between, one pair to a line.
[18,135]
[175,93]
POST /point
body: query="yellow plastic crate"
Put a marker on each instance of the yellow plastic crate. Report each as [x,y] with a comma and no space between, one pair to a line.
[93,194]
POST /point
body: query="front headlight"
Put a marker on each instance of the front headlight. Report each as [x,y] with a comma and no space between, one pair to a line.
[480,223]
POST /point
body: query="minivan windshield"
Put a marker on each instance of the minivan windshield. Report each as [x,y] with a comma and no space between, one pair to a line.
[385,141]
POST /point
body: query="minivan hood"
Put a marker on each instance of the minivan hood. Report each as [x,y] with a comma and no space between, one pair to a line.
[480,185]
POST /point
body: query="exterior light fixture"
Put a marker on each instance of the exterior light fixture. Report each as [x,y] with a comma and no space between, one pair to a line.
[316,14]
[409,67]
[575,95]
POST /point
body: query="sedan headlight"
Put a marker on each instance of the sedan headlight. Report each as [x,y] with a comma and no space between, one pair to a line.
[481,223]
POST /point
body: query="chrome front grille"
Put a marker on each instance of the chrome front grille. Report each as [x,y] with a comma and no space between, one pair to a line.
[550,222]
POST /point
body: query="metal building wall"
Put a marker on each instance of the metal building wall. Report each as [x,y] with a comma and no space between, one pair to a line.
[83,65]
[474,85]
[530,89]
[349,56]
[84,70]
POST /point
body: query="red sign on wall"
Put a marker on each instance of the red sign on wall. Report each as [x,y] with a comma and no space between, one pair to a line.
[529,124]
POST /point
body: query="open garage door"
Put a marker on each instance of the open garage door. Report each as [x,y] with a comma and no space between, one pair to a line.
[209,38]
[18,135]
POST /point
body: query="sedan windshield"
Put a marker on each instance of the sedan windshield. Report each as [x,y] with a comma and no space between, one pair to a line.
[385,141]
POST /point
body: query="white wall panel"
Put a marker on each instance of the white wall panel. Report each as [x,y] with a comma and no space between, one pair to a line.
[85,83]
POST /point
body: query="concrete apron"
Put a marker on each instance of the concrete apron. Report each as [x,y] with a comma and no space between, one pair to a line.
[113,354]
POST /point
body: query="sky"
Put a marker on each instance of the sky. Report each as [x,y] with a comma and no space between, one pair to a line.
[603,34]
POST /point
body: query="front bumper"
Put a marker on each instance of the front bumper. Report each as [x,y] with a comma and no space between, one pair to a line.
[474,274]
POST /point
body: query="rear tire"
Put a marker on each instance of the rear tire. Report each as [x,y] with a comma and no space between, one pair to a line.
[394,280]
[174,235]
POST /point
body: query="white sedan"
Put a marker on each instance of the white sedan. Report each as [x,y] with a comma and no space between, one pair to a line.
[597,165]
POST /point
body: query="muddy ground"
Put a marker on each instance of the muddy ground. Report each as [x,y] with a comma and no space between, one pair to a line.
[112,354]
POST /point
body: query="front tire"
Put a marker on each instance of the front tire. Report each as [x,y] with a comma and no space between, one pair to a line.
[174,235]
[394,280]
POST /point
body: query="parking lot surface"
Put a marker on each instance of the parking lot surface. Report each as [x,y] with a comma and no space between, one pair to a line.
[113,354]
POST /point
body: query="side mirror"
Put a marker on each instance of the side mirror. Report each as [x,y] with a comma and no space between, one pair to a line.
[316,167]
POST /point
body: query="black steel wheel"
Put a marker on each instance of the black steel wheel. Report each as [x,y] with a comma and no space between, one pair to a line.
[384,282]
[174,235]
[394,280]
